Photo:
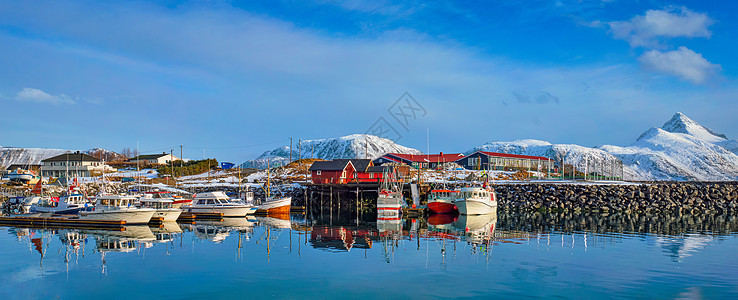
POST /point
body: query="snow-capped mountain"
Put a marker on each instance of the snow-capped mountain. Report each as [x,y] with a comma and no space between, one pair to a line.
[351,146]
[681,149]
[34,156]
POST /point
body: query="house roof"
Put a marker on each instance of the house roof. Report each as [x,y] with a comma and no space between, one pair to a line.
[379,169]
[149,156]
[512,155]
[361,164]
[340,164]
[76,156]
[329,165]
[426,158]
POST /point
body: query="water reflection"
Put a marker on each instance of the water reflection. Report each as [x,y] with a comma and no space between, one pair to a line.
[438,241]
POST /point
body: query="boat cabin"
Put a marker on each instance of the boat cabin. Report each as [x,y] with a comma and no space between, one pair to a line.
[157,203]
[115,201]
[477,193]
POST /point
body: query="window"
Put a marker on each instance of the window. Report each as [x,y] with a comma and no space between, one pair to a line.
[317,172]
[371,175]
[343,174]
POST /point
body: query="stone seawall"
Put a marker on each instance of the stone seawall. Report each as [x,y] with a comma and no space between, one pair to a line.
[685,198]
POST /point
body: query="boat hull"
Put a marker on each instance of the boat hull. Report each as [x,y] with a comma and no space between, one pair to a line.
[475,206]
[277,206]
[442,207]
[389,203]
[168,215]
[130,216]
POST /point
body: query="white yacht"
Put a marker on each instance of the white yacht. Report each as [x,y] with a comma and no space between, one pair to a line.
[476,201]
[217,202]
[164,207]
[118,208]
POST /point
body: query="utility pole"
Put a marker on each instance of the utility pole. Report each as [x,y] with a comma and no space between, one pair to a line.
[171,165]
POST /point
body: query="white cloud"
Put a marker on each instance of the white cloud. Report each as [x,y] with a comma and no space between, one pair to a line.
[36,95]
[669,23]
[683,63]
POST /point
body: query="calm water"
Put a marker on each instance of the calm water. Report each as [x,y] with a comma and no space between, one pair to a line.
[335,256]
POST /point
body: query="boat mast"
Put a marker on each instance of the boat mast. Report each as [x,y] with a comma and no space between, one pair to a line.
[267,187]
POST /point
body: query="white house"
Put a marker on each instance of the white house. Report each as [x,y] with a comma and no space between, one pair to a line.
[73,165]
[155,159]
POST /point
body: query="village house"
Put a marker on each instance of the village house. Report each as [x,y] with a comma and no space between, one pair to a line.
[483,160]
[422,161]
[340,171]
[73,165]
[154,159]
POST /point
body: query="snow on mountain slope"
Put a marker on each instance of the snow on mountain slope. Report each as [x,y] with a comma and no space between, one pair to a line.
[34,156]
[680,123]
[351,146]
[681,150]
[26,156]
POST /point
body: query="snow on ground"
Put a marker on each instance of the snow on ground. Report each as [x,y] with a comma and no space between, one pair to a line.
[144,173]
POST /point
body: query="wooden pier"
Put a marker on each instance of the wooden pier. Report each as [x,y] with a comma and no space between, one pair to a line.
[60,222]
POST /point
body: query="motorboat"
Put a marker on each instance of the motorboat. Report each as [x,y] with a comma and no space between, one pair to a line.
[217,202]
[71,204]
[476,201]
[164,207]
[277,205]
[20,205]
[118,208]
[442,201]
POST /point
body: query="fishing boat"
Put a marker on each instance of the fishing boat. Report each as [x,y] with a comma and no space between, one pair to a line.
[476,201]
[70,204]
[442,201]
[163,203]
[118,208]
[217,202]
[390,193]
[273,205]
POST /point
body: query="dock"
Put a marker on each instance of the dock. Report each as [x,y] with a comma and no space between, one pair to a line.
[60,222]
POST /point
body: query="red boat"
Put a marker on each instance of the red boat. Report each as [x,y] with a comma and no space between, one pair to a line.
[442,201]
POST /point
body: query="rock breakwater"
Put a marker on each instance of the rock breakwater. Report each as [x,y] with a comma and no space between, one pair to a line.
[684,198]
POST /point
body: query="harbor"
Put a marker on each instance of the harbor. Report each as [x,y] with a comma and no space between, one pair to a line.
[238,254]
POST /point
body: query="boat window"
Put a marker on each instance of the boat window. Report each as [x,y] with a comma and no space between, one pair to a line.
[211,201]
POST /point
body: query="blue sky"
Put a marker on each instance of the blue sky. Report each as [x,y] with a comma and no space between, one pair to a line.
[233,79]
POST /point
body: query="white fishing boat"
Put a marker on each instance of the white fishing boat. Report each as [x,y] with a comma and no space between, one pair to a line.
[217,202]
[70,204]
[163,204]
[476,201]
[118,208]
[390,193]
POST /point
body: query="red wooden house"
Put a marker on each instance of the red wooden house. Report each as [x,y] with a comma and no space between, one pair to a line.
[341,171]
